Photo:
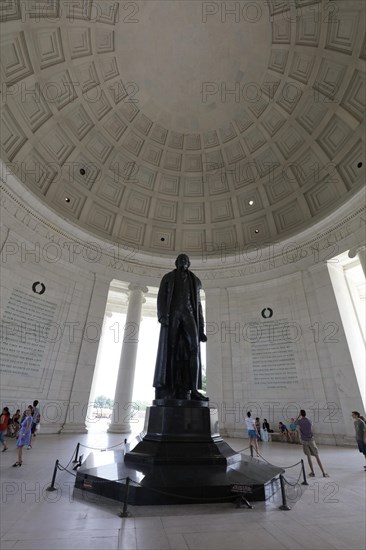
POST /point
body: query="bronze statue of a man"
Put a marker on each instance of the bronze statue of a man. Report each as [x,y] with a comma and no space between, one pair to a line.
[178,370]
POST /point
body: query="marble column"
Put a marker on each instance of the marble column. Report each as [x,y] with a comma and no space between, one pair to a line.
[78,405]
[214,372]
[360,252]
[101,353]
[123,406]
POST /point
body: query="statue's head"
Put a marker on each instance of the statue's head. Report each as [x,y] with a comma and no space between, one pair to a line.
[182,262]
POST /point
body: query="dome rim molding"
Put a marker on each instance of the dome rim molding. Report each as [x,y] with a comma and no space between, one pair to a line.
[144,264]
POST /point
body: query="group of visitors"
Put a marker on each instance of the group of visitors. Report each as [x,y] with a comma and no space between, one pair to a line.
[301,430]
[292,435]
[22,427]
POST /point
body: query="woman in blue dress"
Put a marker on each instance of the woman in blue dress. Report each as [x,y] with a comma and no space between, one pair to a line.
[24,435]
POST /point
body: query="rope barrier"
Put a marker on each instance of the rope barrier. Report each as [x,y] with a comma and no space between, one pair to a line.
[232,497]
[59,466]
[292,466]
[293,484]
[229,498]
[284,481]
[63,469]
[104,449]
[74,454]
[283,467]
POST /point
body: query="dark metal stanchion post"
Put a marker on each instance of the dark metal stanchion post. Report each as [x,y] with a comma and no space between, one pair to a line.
[124,513]
[76,454]
[251,451]
[303,473]
[284,505]
[52,486]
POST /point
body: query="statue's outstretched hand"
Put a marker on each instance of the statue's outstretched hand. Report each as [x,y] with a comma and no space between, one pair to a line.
[203,337]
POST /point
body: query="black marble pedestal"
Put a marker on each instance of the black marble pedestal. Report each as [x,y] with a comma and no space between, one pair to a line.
[179,458]
[180,433]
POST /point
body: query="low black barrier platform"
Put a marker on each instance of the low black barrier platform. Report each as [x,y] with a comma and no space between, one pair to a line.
[105,474]
[179,458]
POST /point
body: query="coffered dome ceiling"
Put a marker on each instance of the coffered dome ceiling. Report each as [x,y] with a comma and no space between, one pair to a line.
[175,125]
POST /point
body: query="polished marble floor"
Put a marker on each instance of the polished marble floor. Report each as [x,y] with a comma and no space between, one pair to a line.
[328,514]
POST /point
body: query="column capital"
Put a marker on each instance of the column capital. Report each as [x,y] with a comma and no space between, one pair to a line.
[360,252]
[352,253]
[133,287]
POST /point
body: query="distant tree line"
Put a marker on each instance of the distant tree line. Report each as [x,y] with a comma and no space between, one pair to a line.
[103,402]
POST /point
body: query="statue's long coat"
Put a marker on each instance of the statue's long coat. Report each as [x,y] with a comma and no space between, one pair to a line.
[163,376]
